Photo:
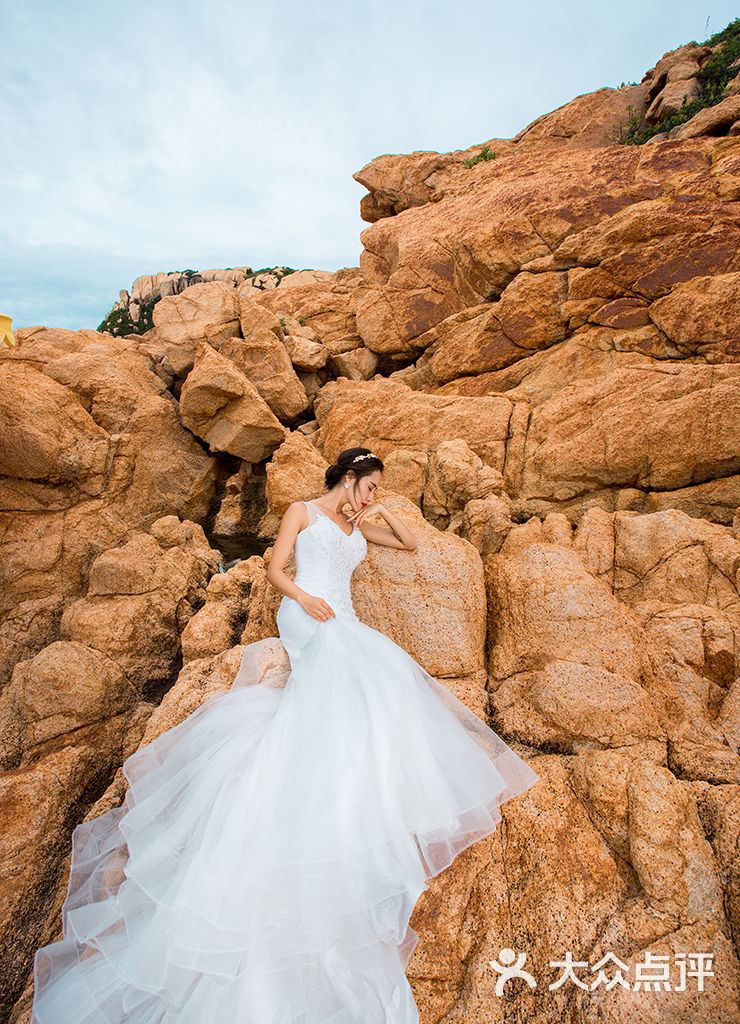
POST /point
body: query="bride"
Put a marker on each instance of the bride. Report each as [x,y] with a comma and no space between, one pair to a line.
[270,849]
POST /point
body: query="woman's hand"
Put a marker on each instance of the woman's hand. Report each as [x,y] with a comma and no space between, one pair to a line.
[368,509]
[316,607]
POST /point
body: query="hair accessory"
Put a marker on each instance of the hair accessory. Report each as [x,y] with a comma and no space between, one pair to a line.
[368,456]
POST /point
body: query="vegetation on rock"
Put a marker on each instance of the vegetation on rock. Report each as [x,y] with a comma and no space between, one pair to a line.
[485,154]
[713,78]
[119,321]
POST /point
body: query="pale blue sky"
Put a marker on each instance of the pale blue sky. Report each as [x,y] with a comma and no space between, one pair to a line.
[156,136]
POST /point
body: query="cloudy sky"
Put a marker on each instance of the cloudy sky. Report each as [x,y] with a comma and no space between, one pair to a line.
[146,137]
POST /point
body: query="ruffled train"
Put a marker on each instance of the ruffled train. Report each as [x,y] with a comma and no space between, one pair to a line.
[270,849]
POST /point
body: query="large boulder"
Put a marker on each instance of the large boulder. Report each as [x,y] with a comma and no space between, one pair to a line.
[261,355]
[221,405]
[206,312]
[47,435]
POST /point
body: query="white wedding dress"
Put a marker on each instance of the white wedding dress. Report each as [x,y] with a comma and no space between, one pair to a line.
[267,857]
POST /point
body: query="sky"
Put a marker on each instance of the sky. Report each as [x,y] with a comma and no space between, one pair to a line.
[160,135]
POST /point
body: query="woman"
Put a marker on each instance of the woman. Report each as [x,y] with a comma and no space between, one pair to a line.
[271,847]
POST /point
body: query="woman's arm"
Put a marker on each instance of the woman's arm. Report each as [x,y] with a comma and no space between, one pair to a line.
[399,536]
[292,522]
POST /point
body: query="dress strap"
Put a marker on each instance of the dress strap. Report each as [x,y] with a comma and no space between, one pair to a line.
[312,512]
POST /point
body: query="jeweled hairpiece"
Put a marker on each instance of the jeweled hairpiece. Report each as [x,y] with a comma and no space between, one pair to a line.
[368,456]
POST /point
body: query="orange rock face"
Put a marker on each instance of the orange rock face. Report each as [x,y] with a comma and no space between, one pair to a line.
[612,209]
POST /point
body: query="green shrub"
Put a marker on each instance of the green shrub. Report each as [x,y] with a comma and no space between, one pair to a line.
[118,322]
[485,154]
[712,77]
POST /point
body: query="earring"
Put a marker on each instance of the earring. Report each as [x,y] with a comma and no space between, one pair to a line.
[346,485]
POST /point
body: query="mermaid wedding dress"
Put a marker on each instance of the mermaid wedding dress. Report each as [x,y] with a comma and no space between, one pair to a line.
[267,857]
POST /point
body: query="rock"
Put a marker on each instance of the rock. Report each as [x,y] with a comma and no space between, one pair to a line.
[711,120]
[326,306]
[140,598]
[359,364]
[671,98]
[418,272]
[270,278]
[486,522]
[679,62]
[47,435]
[67,691]
[567,668]
[587,121]
[163,470]
[262,357]
[684,70]
[456,476]
[385,415]
[691,639]
[639,807]
[700,317]
[733,86]
[217,626]
[27,627]
[221,405]
[305,353]
[40,806]
[294,473]
[86,457]
[301,343]
[303,277]
[587,355]
[206,312]
[37,346]
[235,275]
[406,472]
[149,286]
[107,388]
[400,182]
[232,517]
[447,636]
[527,316]
[625,421]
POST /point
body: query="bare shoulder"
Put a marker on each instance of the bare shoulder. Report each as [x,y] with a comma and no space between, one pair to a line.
[296,513]
[293,520]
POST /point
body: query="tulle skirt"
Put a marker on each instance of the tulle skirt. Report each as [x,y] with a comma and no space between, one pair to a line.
[270,849]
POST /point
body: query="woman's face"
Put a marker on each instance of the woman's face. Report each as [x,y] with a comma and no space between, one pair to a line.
[363,490]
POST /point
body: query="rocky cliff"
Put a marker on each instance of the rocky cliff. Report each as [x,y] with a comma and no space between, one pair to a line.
[543,345]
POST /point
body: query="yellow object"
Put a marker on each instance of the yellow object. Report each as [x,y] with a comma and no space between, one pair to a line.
[5,332]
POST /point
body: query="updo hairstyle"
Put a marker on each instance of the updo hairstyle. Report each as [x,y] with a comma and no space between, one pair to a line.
[361,460]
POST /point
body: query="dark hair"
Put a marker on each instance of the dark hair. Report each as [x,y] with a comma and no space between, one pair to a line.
[346,460]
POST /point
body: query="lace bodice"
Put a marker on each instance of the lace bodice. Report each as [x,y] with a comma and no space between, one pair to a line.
[326,557]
